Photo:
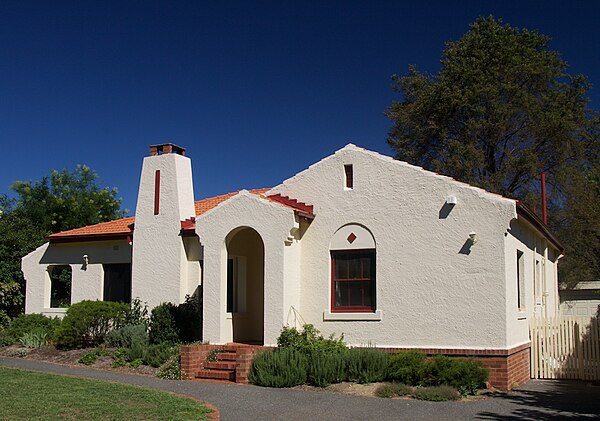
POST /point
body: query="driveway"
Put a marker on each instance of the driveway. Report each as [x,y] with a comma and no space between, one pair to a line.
[536,400]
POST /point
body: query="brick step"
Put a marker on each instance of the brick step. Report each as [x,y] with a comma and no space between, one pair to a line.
[216,375]
[220,365]
[226,356]
[235,347]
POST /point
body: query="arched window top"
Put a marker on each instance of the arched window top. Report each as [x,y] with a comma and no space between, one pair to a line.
[352,237]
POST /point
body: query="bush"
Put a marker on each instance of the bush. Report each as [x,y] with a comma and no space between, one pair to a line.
[154,355]
[464,374]
[309,340]
[136,363]
[87,323]
[137,314]
[119,356]
[279,368]
[127,336]
[88,358]
[436,393]
[326,367]
[407,367]
[35,339]
[188,319]
[28,323]
[163,324]
[393,389]
[170,369]
[367,365]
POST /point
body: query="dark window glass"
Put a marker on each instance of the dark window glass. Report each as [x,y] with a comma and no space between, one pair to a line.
[60,286]
[117,282]
[353,280]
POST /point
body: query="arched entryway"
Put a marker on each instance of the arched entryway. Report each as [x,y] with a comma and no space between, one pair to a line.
[245,285]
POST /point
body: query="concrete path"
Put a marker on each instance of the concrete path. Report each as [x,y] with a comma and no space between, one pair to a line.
[537,400]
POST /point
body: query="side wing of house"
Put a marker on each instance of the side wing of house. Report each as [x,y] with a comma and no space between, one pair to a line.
[401,257]
[531,274]
[59,274]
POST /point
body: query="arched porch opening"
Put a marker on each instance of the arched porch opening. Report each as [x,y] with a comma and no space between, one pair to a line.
[245,285]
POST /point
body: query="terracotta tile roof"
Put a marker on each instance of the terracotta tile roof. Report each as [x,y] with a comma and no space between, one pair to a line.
[116,227]
[122,228]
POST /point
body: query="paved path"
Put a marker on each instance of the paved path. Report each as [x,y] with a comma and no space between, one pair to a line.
[537,400]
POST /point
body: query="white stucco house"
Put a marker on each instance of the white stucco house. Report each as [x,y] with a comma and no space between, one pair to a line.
[385,252]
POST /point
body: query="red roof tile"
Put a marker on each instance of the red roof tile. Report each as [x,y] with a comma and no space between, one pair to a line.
[121,228]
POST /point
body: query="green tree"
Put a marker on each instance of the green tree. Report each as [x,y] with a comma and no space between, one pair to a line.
[501,110]
[61,201]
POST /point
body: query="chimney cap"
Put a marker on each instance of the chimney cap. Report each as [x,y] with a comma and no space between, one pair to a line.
[164,148]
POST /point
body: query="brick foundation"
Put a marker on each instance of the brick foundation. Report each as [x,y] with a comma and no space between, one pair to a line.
[508,367]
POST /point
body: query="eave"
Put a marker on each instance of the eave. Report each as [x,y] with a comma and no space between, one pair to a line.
[530,216]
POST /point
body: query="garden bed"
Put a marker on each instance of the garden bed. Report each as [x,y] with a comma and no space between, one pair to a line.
[71,358]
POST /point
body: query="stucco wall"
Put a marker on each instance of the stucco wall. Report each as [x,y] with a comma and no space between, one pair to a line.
[274,224]
[159,272]
[433,290]
[524,238]
[87,281]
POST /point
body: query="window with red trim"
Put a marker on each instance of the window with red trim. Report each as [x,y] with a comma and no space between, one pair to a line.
[353,280]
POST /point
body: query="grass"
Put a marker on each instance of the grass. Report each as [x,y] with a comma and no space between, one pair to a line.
[29,395]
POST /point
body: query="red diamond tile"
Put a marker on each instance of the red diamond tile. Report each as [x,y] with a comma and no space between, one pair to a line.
[351,238]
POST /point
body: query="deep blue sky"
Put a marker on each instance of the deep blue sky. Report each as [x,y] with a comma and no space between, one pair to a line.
[256,91]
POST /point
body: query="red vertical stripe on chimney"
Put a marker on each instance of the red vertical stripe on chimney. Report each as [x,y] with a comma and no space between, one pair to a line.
[544,198]
[156,192]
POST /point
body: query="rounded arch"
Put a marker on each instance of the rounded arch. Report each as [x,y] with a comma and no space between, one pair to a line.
[352,236]
[245,284]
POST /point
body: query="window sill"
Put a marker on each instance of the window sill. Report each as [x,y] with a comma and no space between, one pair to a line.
[55,310]
[328,316]
[522,315]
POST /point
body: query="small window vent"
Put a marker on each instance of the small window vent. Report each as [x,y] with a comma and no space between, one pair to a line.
[349,176]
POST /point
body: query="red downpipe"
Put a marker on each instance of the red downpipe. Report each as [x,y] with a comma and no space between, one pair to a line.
[544,198]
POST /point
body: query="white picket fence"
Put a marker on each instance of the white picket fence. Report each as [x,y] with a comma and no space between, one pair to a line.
[565,347]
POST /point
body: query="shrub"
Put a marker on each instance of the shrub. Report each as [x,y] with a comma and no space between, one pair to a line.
[326,367]
[464,374]
[127,336]
[136,363]
[279,368]
[34,339]
[407,367]
[88,358]
[366,365]
[87,323]
[163,325]
[28,323]
[137,314]
[171,368]
[393,389]
[309,340]
[119,356]
[436,393]
[188,320]
[154,355]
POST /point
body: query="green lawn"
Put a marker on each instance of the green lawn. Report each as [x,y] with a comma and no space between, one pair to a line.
[26,395]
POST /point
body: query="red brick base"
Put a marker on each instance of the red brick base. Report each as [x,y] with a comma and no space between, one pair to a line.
[508,367]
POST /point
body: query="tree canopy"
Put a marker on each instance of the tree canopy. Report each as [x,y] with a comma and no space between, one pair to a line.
[61,201]
[501,110]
